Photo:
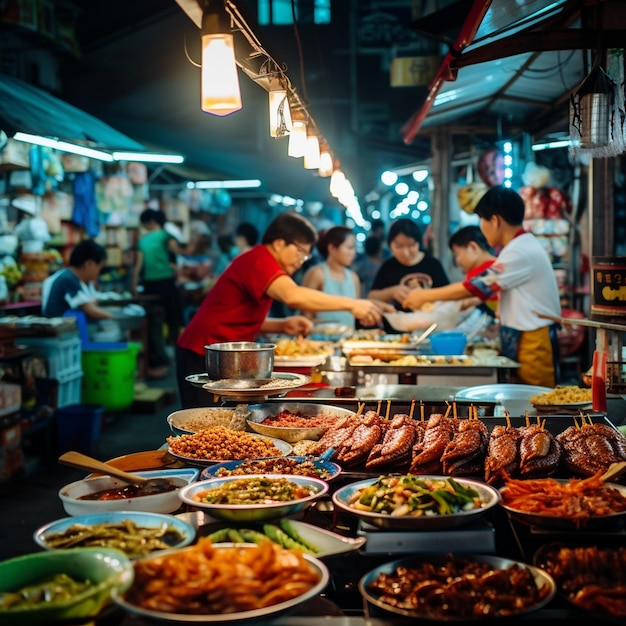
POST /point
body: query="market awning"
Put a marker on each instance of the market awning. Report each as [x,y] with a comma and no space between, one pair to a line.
[516,62]
[32,110]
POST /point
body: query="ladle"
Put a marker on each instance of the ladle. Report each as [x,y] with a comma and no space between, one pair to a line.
[84,462]
[425,334]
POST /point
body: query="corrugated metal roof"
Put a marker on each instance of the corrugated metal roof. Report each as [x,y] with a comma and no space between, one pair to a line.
[517,85]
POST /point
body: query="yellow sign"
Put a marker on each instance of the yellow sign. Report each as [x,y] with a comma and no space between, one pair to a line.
[411,71]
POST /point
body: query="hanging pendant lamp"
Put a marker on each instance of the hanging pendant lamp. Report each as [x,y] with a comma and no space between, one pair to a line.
[220,92]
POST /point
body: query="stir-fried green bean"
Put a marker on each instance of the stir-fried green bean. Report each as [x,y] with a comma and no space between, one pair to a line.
[255,490]
[413,495]
[125,536]
[57,588]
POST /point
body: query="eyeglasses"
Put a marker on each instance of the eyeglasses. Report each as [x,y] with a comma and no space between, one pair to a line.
[305,254]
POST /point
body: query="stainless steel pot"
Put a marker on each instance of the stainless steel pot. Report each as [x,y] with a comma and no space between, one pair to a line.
[240,359]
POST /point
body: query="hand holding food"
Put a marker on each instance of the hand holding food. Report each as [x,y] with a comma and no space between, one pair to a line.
[416,299]
[366,312]
[297,325]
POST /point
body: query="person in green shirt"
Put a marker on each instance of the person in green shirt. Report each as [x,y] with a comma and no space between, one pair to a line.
[156,271]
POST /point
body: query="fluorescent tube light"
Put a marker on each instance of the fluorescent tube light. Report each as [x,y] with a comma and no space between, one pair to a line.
[147,157]
[63,146]
[225,184]
[551,144]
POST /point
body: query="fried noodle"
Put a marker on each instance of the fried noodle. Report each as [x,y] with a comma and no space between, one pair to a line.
[204,580]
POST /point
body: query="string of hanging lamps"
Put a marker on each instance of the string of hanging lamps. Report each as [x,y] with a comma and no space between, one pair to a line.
[229,42]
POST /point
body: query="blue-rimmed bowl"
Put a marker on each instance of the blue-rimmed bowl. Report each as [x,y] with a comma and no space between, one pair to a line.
[224,469]
[176,533]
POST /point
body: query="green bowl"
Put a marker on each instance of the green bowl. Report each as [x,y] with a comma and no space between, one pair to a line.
[107,569]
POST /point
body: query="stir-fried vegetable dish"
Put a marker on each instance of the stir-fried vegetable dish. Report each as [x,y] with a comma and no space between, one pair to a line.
[259,490]
[415,496]
[125,536]
[57,588]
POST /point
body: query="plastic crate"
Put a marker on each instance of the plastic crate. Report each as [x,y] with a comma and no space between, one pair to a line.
[62,353]
[78,427]
[69,390]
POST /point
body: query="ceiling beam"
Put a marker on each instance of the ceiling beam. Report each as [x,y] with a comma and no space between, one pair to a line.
[543,41]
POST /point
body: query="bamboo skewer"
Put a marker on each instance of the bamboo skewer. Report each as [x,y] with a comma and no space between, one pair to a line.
[448,409]
[421,410]
[412,409]
[388,409]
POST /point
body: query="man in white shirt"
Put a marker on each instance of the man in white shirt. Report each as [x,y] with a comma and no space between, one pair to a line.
[523,277]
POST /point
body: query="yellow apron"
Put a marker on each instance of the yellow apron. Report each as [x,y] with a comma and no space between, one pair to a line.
[536,358]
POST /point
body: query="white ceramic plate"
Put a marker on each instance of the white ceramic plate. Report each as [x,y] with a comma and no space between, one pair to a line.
[283,447]
[310,360]
[257,615]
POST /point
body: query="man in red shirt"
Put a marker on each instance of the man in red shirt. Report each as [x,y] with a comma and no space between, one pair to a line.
[237,306]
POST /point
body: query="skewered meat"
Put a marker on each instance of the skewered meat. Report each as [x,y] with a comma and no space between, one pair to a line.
[502,453]
[362,439]
[588,449]
[439,432]
[539,452]
[466,452]
[336,435]
[395,448]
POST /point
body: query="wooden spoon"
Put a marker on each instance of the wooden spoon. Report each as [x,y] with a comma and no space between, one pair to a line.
[84,462]
[615,470]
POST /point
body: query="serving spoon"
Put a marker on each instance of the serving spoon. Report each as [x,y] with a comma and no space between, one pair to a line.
[84,462]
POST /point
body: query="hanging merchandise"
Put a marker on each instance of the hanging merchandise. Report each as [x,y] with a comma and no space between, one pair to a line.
[85,211]
[597,113]
[491,167]
[470,194]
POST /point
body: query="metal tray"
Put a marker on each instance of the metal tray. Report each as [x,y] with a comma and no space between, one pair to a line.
[541,579]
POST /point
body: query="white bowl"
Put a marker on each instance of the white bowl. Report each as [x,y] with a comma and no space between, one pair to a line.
[205,417]
[167,502]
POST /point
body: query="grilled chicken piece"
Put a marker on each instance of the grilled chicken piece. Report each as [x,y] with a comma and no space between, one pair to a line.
[467,448]
[363,438]
[502,453]
[336,435]
[439,432]
[587,449]
[396,445]
[539,452]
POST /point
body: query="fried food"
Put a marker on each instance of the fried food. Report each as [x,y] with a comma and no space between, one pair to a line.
[570,394]
[205,580]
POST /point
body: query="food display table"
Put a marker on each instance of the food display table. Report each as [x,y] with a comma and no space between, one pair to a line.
[342,605]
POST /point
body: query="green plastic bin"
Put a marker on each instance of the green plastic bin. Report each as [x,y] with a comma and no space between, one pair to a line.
[109,376]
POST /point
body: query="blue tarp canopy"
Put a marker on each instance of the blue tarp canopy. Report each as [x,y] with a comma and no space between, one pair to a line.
[32,110]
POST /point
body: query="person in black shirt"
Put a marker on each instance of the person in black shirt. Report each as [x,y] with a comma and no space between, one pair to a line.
[410,267]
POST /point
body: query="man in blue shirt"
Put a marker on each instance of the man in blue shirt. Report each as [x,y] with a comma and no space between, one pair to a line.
[74,287]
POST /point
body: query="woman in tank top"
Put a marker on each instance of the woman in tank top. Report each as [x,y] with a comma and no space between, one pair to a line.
[338,248]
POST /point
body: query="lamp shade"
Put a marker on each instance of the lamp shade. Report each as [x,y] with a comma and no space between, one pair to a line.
[326,163]
[297,139]
[312,153]
[280,115]
[220,82]
[337,181]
